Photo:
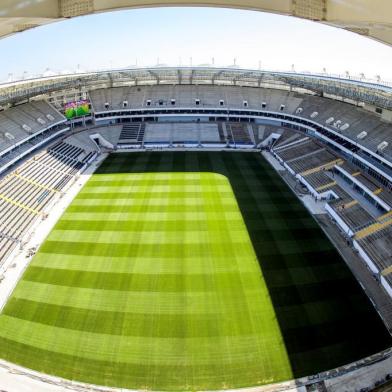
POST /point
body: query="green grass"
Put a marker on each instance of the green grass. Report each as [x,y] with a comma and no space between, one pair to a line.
[187,271]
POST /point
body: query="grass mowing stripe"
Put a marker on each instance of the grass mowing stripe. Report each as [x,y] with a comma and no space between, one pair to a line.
[158,178]
[141,238]
[157,204]
[140,302]
[157,226]
[138,282]
[304,275]
[317,313]
[134,195]
[167,189]
[128,324]
[313,292]
[142,217]
[126,205]
[147,208]
[192,264]
[159,250]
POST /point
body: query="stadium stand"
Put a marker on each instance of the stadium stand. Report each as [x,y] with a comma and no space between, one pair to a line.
[160,133]
[184,133]
[299,150]
[353,214]
[356,200]
[361,206]
[343,118]
[132,133]
[238,134]
[25,127]
[26,193]
[209,133]
[22,122]
[377,246]
[186,96]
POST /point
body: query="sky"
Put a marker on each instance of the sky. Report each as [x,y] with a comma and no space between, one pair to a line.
[191,36]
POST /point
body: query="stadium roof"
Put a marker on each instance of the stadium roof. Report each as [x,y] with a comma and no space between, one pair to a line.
[369,18]
[378,94]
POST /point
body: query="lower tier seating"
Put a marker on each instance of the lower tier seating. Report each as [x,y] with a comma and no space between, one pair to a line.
[26,193]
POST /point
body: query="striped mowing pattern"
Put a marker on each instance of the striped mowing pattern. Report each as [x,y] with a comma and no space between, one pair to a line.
[174,285]
[151,280]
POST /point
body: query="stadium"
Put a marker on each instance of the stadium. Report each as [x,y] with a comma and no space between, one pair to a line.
[196,228]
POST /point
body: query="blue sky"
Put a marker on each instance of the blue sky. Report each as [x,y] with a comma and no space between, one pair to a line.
[173,36]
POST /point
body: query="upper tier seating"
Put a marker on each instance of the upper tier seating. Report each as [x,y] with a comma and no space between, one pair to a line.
[26,122]
[186,96]
[343,118]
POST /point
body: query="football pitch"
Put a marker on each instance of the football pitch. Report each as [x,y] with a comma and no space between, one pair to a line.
[187,271]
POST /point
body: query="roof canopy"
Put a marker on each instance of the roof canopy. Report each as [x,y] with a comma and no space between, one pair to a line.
[372,18]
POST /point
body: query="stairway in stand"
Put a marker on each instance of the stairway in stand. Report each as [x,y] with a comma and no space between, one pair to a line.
[132,133]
